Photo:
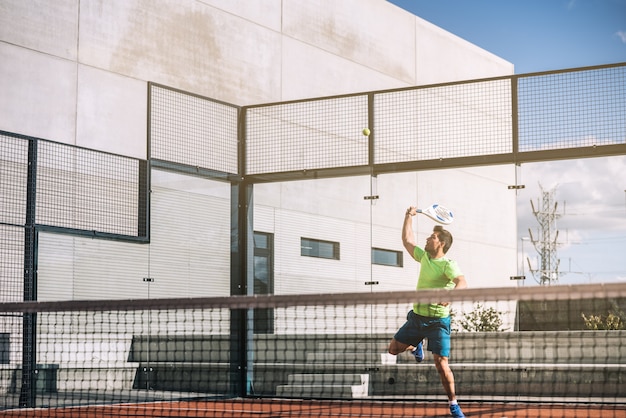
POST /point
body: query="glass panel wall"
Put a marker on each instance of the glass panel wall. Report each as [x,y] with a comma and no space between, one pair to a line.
[572,221]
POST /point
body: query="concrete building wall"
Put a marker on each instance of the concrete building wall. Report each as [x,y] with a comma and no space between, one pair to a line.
[75,71]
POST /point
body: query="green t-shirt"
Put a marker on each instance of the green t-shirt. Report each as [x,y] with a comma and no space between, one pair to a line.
[436,273]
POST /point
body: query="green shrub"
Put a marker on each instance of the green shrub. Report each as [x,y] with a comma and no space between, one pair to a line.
[611,321]
[480,319]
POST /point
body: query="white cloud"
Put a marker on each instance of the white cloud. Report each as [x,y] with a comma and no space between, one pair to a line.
[622,35]
[590,191]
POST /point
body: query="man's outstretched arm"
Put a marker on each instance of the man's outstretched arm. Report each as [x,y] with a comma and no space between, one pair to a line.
[408,238]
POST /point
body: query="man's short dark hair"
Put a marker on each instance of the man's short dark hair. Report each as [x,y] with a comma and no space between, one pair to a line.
[444,236]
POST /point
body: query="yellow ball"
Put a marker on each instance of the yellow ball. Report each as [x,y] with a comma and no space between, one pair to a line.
[366,132]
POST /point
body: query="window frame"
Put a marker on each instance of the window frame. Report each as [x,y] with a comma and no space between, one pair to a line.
[314,245]
[399,257]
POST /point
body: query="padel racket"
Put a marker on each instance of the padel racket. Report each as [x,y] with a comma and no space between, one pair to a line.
[437,213]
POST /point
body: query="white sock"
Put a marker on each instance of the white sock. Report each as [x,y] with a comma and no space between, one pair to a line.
[454,402]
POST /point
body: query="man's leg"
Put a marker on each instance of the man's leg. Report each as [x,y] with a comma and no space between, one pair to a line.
[446,376]
[396,347]
[447,380]
[408,332]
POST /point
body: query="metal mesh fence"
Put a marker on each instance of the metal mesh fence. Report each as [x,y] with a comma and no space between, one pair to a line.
[480,119]
[12,268]
[13,179]
[572,109]
[192,130]
[87,190]
[307,135]
[450,121]
[116,354]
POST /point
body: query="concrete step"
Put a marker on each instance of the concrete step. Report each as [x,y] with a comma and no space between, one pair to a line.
[343,357]
[315,391]
[327,379]
[325,386]
[349,346]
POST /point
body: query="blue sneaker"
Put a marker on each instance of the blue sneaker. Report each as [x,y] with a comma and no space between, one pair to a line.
[455,411]
[418,353]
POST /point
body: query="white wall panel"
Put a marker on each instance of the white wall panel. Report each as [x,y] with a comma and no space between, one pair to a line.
[112,113]
[38,94]
[46,26]
[264,12]
[353,30]
[190,238]
[188,45]
[309,71]
[73,268]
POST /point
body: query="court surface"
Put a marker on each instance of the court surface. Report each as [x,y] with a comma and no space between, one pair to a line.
[270,408]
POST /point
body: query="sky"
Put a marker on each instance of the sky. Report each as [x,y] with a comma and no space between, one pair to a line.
[590,217]
[545,35]
[534,35]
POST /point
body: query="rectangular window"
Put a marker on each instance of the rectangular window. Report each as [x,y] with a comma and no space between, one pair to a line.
[386,257]
[5,348]
[310,247]
[263,280]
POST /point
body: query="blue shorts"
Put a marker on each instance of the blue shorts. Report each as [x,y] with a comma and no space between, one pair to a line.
[418,327]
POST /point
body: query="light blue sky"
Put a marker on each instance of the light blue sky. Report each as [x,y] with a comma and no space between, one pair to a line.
[544,35]
[534,35]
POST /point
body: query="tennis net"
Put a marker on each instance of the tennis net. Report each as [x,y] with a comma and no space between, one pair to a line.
[527,351]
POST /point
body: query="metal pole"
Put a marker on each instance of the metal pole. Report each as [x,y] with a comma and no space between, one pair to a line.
[29,327]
